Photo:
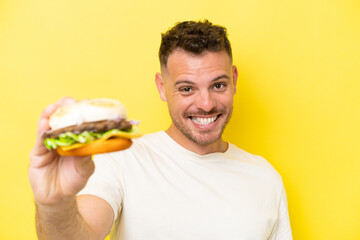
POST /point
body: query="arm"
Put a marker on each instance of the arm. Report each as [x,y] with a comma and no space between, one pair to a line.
[72,220]
[55,181]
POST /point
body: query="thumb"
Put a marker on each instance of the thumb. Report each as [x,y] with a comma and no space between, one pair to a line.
[85,166]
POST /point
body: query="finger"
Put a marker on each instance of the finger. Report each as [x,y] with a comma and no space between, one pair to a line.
[40,148]
[49,110]
[84,166]
[39,159]
[65,101]
[53,107]
[43,125]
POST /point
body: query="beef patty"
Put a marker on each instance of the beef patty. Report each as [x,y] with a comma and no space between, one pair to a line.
[98,126]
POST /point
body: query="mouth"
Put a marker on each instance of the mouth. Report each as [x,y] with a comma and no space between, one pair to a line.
[204,120]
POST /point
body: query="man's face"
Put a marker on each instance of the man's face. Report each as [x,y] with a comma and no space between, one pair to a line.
[199,91]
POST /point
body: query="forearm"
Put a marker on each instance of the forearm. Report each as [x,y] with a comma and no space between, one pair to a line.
[61,222]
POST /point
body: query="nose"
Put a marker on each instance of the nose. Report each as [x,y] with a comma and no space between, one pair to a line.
[205,101]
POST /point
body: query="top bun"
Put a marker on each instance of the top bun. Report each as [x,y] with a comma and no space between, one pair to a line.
[89,110]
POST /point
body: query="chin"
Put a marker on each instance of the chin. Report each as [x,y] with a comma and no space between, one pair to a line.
[205,141]
[206,138]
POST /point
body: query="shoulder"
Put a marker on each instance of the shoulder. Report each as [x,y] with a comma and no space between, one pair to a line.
[249,157]
[254,163]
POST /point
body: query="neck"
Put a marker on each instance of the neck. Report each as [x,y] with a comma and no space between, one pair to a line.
[218,146]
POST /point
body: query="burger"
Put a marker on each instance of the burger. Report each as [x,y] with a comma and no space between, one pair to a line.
[90,127]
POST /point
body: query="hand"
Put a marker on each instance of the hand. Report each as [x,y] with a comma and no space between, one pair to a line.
[54,178]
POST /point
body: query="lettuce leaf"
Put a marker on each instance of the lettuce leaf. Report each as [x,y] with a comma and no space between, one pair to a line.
[69,138]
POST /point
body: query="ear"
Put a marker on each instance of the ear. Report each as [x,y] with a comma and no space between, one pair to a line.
[160,86]
[235,77]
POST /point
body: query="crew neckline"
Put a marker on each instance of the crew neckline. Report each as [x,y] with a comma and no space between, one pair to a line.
[209,156]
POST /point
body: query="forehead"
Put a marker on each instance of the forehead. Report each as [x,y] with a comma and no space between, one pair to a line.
[181,62]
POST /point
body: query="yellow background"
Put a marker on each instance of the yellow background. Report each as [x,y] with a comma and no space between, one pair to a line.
[297,105]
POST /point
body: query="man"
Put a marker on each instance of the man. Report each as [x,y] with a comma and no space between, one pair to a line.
[182,183]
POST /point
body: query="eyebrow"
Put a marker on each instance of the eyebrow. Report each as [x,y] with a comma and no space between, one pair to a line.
[220,77]
[191,82]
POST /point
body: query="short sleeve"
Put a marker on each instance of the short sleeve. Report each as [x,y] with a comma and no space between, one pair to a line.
[282,229]
[105,182]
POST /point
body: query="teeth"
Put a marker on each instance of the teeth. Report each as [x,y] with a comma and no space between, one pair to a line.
[203,121]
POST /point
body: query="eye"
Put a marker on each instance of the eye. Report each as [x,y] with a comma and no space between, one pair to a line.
[219,86]
[185,89]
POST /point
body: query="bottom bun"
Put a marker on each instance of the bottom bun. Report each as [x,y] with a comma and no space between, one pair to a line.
[95,147]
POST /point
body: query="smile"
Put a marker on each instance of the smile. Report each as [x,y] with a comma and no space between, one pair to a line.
[204,120]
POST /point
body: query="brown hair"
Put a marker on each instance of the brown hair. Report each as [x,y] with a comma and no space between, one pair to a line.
[194,37]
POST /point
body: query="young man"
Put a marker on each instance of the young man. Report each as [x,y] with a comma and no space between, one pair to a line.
[182,183]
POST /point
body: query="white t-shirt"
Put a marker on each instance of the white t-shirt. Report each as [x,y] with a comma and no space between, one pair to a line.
[160,190]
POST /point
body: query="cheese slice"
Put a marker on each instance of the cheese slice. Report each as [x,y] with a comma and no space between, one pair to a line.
[107,136]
